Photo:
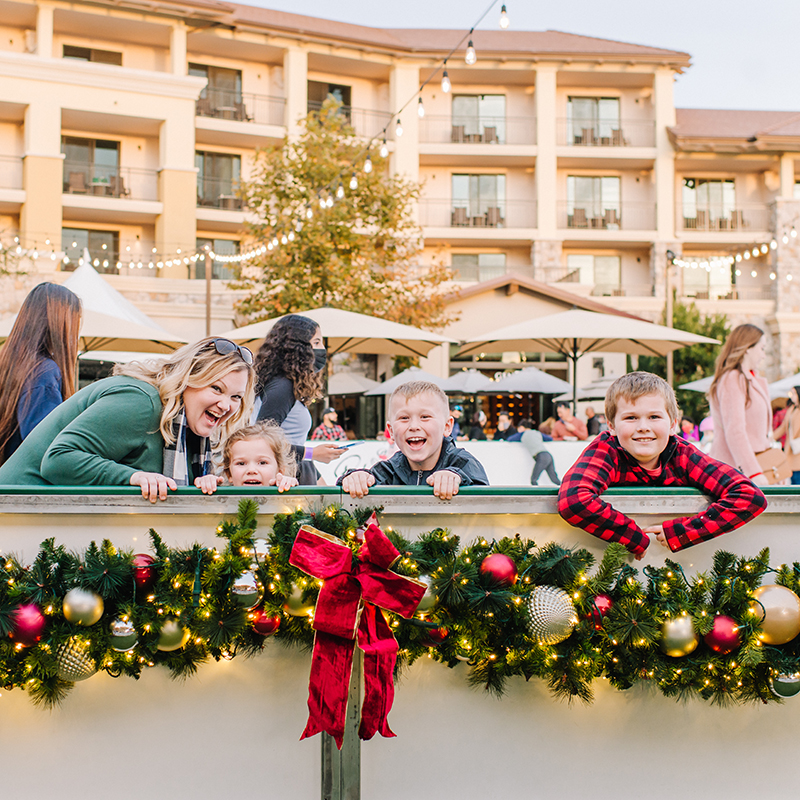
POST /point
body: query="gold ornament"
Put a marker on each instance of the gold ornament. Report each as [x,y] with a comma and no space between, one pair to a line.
[173,636]
[780,612]
[82,607]
[678,636]
[551,615]
[74,662]
[295,605]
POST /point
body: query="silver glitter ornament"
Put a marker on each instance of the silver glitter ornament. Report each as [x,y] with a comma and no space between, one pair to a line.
[74,662]
[245,590]
[551,615]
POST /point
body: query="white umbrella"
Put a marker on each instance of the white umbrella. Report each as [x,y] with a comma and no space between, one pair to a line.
[781,388]
[700,385]
[348,332]
[349,383]
[530,379]
[406,376]
[575,333]
[468,381]
[596,390]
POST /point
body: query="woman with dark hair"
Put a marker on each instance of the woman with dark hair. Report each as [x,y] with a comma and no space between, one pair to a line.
[37,362]
[289,368]
[740,403]
[790,427]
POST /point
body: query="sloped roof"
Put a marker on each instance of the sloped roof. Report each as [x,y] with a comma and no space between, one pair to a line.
[738,124]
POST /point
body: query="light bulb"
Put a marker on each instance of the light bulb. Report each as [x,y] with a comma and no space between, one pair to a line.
[755,252]
[504,20]
[772,276]
[785,239]
[290,237]
[470,56]
[322,202]
[398,128]
[738,256]
[746,254]
[445,82]
[793,232]
[329,201]
[773,245]
[353,182]
[340,191]
[368,165]
[753,274]
[309,213]
[384,151]
[420,108]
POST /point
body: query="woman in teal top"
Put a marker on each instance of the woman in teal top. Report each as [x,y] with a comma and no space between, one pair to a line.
[151,425]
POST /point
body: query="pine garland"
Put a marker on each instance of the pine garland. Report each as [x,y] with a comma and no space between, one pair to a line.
[474,619]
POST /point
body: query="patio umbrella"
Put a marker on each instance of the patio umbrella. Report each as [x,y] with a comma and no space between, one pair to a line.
[575,333]
[780,388]
[596,390]
[468,381]
[407,375]
[348,332]
[349,383]
[700,385]
[530,379]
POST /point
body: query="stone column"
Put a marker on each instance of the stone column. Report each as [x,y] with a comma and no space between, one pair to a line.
[295,86]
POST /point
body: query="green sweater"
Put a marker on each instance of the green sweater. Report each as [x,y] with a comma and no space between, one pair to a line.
[99,437]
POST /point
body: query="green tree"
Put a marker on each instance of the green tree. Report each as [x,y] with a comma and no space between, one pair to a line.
[693,362]
[359,254]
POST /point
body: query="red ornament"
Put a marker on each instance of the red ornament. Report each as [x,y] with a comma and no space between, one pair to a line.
[433,637]
[265,624]
[500,568]
[601,605]
[724,637]
[29,623]
[143,573]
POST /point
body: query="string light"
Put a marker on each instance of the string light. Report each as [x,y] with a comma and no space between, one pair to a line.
[504,20]
[398,128]
[340,191]
[470,57]
[446,86]
[420,108]
[353,183]
[368,165]
[384,151]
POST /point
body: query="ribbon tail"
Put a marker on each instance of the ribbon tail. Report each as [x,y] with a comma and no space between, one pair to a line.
[375,638]
[328,686]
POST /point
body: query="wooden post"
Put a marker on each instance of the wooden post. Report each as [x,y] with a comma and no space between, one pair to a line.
[341,769]
[209,262]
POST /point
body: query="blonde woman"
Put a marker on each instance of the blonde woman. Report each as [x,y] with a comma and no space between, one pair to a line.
[740,403]
[152,425]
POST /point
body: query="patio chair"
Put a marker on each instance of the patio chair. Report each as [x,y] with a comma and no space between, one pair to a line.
[77,183]
[490,135]
[116,186]
[494,218]
[579,218]
[459,218]
[457,134]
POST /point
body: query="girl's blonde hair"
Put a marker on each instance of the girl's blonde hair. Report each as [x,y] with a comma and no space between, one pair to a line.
[740,340]
[194,366]
[273,435]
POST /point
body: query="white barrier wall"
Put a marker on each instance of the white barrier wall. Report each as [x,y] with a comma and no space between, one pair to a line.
[232,730]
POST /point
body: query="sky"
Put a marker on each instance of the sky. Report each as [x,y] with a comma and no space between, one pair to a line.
[744,53]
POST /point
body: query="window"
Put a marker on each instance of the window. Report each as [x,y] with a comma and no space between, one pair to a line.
[222,96]
[218,177]
[91,166]
[593,202]
[796,194]
[219,271]
[478,266]
[479,200]
[103,247]
[710,205]
[319,92]
[704,284]
[90,54]
[593,120]
[479,118]
[602,272]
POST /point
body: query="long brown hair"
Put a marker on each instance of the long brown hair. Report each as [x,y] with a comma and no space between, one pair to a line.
[741,339]
[47,326]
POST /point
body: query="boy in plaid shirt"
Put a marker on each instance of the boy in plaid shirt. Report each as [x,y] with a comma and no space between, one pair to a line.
[640,449]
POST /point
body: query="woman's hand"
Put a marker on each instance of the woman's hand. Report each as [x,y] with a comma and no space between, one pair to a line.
[154,485]
[325,453]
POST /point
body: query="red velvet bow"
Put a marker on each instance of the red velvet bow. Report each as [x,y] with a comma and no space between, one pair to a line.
[349,606]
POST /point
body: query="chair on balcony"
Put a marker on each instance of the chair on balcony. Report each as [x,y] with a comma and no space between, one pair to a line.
[457,134]
[459,218]
[578,219]
[494,218]
[116,186]
[737,220]
[490,135]
[203,108]
[587,136]
[77,183]
[241,112]
[702,223]
[611,220]
[616,138]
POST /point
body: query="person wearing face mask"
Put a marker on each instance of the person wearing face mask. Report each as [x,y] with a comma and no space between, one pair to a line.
[289,369]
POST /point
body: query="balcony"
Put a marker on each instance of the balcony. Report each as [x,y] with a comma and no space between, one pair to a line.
[486,130]
[98,180]
[368,123]
[463,214]
[255,108]
[222,193]
[10,172]
[718,218]
[732,293]
[622,216]
[479,273]
[625,133]
[569,278]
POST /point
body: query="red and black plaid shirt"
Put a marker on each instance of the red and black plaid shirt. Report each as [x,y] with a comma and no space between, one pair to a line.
[605,463]
[333,433]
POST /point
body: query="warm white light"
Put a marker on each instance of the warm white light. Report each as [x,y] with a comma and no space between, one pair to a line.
[353,183]
[772,276]
[738,257]
[773,245]
[755,252]
[398,128]
[746,254]
[445,82]
[793,232]
[309,213]
[788,277]
[340,191]
[329,201]
[753,274]
[470,57]
[420,108]
[738,273]
[764,248]
[368,165]
[504,20]
[785,239]
[384,151]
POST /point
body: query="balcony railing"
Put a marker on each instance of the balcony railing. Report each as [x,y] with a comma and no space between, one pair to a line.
[219,193]
[367,122]
[718,218]
[732,293]
[474,272]
[226,104]
[10,172]
[624,133]
[621,216]
[622,290]
[486,130]
[466,214]
[109,181]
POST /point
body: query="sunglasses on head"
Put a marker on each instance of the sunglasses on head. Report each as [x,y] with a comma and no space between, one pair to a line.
[225,347]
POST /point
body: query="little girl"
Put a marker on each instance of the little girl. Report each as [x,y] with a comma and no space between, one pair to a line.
[258,455]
